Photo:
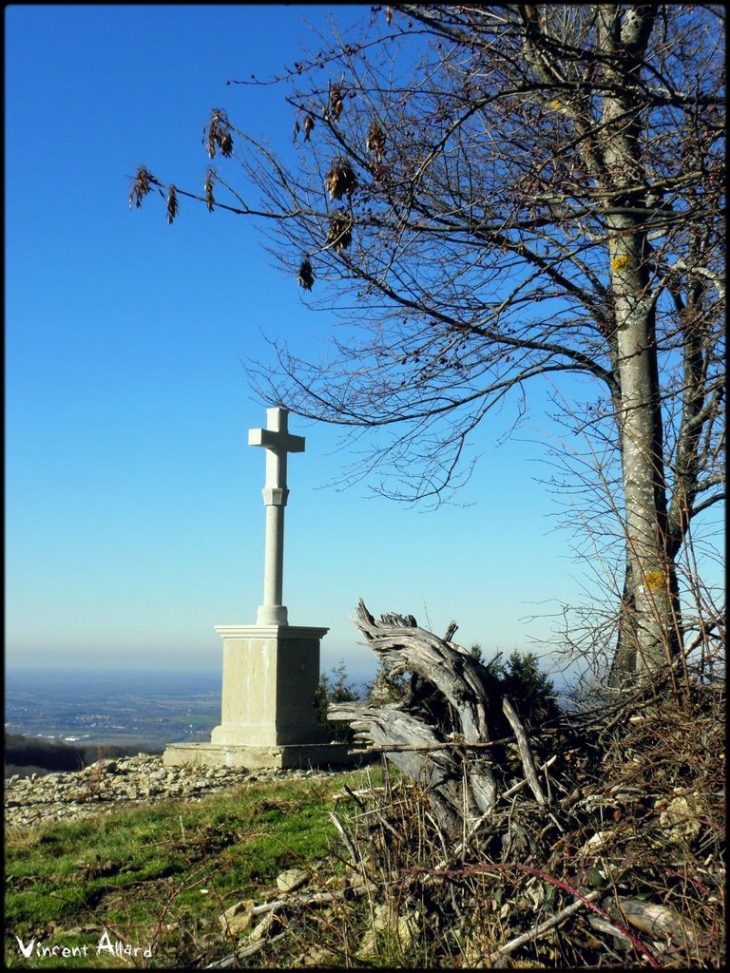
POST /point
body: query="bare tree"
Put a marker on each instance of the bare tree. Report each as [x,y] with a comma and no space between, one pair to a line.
[498,196]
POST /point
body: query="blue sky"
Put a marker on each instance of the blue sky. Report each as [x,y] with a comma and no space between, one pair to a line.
[134,518]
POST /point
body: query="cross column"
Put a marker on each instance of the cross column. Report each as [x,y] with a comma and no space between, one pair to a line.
[270,669]
[278,442]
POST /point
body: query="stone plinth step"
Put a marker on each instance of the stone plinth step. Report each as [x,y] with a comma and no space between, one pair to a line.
[294,756]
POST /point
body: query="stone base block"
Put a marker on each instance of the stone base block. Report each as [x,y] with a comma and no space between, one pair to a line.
[290,757]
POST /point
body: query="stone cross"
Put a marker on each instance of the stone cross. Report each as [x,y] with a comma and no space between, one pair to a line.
[277,441]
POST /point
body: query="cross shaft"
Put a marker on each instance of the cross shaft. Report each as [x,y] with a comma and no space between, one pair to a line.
[278,443]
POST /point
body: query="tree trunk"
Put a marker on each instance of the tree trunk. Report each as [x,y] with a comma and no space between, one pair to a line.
[650,609]
[649,575]
[623,667]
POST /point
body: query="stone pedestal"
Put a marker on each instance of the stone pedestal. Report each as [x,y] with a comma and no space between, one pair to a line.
[270,677]
[268,719]
[271,669]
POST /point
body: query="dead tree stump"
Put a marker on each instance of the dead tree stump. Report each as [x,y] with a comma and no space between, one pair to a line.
[451,759]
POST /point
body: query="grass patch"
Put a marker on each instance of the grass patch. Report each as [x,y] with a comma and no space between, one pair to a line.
[159,876]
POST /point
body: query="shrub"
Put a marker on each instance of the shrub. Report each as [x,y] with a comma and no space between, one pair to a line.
[334,690]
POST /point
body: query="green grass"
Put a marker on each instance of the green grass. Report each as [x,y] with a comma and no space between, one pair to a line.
[159,876]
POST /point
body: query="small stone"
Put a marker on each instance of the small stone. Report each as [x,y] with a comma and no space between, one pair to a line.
[239,917]
[292,879]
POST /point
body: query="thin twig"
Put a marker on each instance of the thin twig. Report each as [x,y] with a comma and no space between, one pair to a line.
[356,861]
[228,961]
[521,783]
[535,933]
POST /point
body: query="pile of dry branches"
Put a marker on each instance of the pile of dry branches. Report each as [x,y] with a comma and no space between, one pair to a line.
[596,840]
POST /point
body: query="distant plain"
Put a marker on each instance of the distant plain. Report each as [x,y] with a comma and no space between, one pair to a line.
[108,708]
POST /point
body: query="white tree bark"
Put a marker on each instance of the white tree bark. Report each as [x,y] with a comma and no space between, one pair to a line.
[639,418]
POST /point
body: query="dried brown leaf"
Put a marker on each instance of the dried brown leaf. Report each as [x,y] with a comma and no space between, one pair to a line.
[339,235]
[208,187]
[305,276]
[172,205]
[212,137]
[219,135]
[375,141]
[143,182]
[340,179]
[226,144]
[336,101]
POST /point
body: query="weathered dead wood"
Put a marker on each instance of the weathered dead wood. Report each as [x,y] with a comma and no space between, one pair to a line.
[451,745]
[404,646]
[458,781]
[438,771]
[525,752]
[658,921]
